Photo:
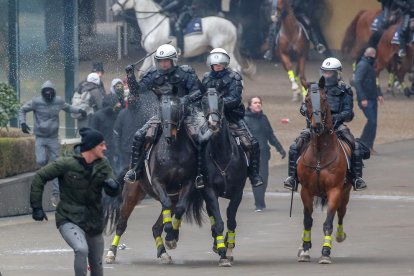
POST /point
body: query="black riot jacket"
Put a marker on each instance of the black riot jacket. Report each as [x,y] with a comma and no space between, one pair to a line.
[183,79]
[229,84]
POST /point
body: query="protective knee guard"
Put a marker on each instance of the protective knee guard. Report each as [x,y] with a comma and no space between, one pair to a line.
[137,149]
[357,163]
[293,158]
[254,165]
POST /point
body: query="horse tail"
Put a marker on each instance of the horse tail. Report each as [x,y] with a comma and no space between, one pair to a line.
[350,35]
[112,206]
[195,208]
[321,201]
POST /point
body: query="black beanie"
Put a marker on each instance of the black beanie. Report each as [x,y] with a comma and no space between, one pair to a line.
[90,138]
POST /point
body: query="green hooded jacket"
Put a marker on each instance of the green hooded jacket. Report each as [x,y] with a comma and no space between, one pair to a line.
[80,187]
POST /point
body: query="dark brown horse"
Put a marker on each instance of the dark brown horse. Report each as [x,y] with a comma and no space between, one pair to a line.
[322,171]
[292,41]
[387,56]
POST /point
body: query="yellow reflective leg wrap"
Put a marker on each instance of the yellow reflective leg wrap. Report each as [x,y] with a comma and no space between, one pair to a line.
[176,223]
[231,239]
[306,236]
[327,241]
[212,221]
[159,242]
[220,242]
[291,75]
[353,66]
[391,79]
[115,242]
[166,216]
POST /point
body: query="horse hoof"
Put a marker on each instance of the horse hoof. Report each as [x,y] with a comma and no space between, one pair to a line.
[224,263]
[325,260]
[171,244]
[341,238]
[166,259]
[110,257]
[303,256]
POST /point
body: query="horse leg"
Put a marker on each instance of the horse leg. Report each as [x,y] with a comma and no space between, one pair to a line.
[307,200]
[340,234]
[132,193]
[172,237]
[156,233]
[165,203]
[212,203]
[301,75]
[232,224]
[334,198]
[287,64]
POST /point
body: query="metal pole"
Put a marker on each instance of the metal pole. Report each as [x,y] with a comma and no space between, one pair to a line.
[70,52]
[13,51]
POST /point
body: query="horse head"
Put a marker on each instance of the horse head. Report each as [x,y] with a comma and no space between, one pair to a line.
[282,8]
[212,104]
[317,108]
[170,111]
[120,6]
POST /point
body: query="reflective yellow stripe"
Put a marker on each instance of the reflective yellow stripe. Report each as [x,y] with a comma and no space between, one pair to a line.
[176,223]
[115,242]
[166,216]
[306,236]
[391,79]
[212,221]
[159,242]
[353,66]
[304,92]
[291,75]
[340,228]
[231,237]
[327,241]
[220,242]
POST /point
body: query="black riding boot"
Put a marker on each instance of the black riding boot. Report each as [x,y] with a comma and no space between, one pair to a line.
[273,31]
[199,181]
[253,171]
[357,165]
[137,157]
[180,41]
[291,183]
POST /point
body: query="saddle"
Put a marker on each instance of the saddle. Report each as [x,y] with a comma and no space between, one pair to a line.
[194,27]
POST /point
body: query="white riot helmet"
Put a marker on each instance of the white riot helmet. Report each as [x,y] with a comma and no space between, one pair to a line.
[218,56]
[166,51]
[331,69]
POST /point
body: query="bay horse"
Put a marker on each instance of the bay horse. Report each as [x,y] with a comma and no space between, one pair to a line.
[225,171]
[322,172]
[155,27]
[169,175]
[387,56]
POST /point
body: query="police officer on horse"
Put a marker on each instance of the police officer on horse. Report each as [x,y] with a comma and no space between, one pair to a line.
[340,99]
[228,84]
[184,12]
[185,84]
[407,7]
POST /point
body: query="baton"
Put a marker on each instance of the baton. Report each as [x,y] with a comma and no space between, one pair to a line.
[291,203]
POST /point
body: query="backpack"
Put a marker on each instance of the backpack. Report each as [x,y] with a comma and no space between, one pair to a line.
[81,99]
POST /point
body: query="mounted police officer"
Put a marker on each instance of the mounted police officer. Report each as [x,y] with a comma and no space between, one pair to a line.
[301,10]
[184,12]
[407,7]
[167,73]
[228,84]
[340,99]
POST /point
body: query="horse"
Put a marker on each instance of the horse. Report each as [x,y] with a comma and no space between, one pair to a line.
[170,170]
[217,33]
[387,56]
[225,170]
[322,172]
[292,40]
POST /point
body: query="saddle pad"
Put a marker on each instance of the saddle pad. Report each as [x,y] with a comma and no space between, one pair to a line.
[376,23]
[395,39]
[347,150]
[194,27]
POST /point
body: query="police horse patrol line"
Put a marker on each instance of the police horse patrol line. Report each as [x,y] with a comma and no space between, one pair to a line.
[155,28]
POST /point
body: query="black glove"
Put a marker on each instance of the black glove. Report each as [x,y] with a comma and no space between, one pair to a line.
[282,153]
[129,70]
[111,187]
[38,214]
[25,128]
[83,113]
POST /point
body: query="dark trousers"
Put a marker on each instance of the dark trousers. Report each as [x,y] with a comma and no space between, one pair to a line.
[370,129]
[259,192]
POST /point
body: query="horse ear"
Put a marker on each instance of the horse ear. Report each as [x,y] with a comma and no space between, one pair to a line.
[321,83]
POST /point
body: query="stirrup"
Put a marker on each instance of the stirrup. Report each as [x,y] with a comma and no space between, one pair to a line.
[268,55]
[320,48]
[361,186]
[287,184]
[402,53]
[199,183]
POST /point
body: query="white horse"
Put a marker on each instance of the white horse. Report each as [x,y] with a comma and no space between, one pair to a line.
[155,28]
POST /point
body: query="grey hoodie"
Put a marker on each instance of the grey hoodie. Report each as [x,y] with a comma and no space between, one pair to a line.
[46,115]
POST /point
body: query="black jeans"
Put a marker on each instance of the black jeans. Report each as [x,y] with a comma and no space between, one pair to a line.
[370,129]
